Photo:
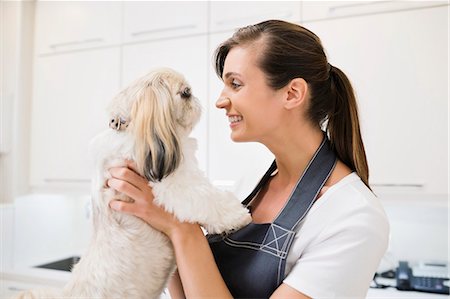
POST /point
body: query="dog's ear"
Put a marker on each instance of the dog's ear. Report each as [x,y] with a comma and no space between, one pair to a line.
[157,146]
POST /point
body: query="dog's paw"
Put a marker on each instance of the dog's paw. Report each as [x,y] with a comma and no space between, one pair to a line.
[243,220]
[229,223]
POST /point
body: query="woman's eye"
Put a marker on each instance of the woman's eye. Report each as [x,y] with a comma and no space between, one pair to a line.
[235,84]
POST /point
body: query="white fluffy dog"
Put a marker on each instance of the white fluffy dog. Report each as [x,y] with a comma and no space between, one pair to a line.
[150,124]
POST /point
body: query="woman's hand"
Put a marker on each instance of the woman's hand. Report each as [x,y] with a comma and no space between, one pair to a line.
[196,265]
[127,181]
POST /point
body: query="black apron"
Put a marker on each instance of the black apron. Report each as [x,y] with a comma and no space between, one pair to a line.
[252,260]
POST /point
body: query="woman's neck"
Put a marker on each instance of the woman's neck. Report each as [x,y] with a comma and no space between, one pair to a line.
[293,150]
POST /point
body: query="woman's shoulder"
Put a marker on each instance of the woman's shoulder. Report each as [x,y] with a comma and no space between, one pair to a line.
[349,202]
[347,213]
[349,193]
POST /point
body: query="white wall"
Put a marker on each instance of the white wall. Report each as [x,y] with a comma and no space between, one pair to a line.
[16,48]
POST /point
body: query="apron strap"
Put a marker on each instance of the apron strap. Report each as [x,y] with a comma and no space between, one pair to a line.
[308,186]
[261,183]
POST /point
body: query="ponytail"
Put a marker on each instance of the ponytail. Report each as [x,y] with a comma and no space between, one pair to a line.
[343,125]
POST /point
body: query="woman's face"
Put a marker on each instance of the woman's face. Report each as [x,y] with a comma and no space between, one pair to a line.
[255,109]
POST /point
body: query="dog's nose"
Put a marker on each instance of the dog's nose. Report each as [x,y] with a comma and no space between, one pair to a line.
[113,124]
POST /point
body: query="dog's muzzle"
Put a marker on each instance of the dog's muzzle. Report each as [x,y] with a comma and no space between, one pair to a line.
[118,123]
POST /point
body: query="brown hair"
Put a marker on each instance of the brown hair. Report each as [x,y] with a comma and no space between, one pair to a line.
[291,51]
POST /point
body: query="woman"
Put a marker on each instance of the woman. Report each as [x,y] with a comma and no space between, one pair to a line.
[318,231]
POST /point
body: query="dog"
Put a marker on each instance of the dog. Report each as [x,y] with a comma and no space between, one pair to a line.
[150,122]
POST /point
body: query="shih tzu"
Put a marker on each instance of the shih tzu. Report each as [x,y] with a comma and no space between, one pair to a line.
[150,124]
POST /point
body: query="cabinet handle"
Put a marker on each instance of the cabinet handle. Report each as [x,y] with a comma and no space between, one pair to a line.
[369,7]
[249,18]
[16,289]
[57,180]
[164,29]
[76,43]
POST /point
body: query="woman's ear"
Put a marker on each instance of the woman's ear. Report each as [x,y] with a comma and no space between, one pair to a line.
[297,91]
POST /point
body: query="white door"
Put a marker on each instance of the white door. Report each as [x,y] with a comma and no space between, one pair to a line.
[149,20]
[230,15]
[398,64]
[70,95]
[73,25]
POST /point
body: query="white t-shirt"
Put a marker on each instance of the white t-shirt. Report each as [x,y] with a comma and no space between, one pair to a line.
[339,244]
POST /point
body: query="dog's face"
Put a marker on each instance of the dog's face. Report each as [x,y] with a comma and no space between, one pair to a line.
[158,109]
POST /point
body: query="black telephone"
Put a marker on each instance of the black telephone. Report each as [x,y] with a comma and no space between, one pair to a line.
[426,277]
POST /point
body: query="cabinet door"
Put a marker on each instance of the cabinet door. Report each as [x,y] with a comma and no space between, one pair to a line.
[322,10]
[71,92]
[74,25]
[233,166]
[147,20]
[398,64]
[9,60]
[234,14]
[186,55]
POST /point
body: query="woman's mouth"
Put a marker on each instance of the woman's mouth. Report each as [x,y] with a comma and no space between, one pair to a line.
[234,119]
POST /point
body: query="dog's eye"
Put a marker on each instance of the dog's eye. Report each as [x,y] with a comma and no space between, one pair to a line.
[186,93]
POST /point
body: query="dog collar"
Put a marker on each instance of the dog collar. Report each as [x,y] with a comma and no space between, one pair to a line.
[118,123]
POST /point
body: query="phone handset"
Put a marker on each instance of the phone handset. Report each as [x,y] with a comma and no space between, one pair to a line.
[403,276]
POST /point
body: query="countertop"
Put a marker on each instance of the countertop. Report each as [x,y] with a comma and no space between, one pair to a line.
[11,283]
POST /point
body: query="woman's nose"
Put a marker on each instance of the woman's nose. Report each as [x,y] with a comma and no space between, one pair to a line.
[223,102]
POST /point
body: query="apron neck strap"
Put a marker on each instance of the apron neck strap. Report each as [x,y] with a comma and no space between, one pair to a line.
[261,183]
[308,186]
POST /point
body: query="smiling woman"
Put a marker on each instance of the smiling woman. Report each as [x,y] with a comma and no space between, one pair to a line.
[280,86]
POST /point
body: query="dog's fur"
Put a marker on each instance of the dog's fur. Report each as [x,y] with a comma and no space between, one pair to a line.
[151,121]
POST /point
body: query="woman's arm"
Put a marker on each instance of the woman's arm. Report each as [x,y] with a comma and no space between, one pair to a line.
[285,291]
[196,265]
[176,287]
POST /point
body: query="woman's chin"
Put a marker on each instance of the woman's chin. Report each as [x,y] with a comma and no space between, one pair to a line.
[236,137]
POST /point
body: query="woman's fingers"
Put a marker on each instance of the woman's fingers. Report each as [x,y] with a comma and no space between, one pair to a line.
[122,206]
[130,176]
[132,165]
[125,187]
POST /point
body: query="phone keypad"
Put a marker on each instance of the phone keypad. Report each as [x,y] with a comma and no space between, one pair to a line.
[429,284]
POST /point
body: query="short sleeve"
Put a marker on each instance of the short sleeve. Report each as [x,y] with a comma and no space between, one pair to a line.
[342,260]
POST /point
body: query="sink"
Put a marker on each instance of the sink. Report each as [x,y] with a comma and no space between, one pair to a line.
[62,265]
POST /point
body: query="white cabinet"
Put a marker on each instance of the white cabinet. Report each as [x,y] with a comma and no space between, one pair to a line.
[235,166]
[231,15]
[74,25]
[187,55]
[70,95]
[146,20]
[322,10]
[9,57]
[398,64]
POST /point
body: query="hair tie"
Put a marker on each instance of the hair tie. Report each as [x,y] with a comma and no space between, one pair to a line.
[329,66]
